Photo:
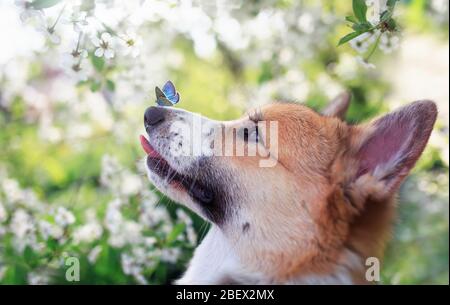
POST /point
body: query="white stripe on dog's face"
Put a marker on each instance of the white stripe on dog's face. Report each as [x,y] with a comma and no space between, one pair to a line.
[188,171]
[190,137]
[183,138]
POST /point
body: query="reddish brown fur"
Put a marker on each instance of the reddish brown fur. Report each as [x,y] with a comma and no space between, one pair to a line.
[325,208]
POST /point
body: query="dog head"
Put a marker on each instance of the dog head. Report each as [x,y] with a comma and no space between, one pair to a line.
[292,189]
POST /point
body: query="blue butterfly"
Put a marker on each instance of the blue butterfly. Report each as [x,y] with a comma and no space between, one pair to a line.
[168,96]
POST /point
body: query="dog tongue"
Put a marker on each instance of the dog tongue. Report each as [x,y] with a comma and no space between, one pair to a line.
[148,148]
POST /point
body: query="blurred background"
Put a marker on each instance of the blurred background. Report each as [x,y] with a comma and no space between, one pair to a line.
[72,99]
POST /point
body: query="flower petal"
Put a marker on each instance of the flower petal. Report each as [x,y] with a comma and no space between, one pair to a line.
[106,37]
[84,54]
[54,38]
[365,63]
[109,53]
[99,52]
[24,16]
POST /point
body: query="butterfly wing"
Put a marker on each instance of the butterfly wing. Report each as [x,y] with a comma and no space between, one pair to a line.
[169,89]
[175,98]
[170,92]
[161,99]
[158,93]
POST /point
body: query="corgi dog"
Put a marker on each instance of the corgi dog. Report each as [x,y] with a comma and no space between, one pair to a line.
[313,215]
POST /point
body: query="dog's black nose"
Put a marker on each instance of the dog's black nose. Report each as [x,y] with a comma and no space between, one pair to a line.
[154,115]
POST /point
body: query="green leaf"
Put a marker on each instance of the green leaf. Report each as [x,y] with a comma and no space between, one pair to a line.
[351,19]
[176,231]
[385,15]
[41,4]
[361,27]
[161,273]
[360,10]
[391,4]
[95,86]
[392,25]
[98,63]
[28,255]
[87,6]
[349,37]
[52,244]
[110,85]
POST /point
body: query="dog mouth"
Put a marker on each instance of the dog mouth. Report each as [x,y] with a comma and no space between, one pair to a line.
[157,164]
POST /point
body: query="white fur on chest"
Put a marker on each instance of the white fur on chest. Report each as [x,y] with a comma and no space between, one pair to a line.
[215,262]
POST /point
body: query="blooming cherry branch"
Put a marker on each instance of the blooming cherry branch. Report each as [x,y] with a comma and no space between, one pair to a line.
[379,29]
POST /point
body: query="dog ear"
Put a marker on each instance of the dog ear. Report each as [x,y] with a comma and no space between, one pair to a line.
[338,106]
[388,148]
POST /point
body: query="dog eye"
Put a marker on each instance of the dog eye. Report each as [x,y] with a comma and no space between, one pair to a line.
[251,134]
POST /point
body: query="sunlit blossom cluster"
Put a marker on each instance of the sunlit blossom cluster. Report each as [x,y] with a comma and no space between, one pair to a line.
[53,232]
[95,40]
[382,37]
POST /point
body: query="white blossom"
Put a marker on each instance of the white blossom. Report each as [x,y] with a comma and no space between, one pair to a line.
[50,33]
[38,278]
[389,43]
[129,265]
[134,263]
[130,184]
[376,8]
[12,190]
[94,253]
[27,11]
[64,217]
[127,232]
[109,170]
[362,43]
[170,255]
[152,215]
[306,23]
[87,233]
[49,230]
[132,44]
[78,71]
[3,213]
[103,45]
[364,63]
[184,217]
[149,241]
[78,20]
[191,235]
[74,64]
[21,223]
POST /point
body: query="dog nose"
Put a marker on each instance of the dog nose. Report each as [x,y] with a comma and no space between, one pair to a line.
[154,115]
